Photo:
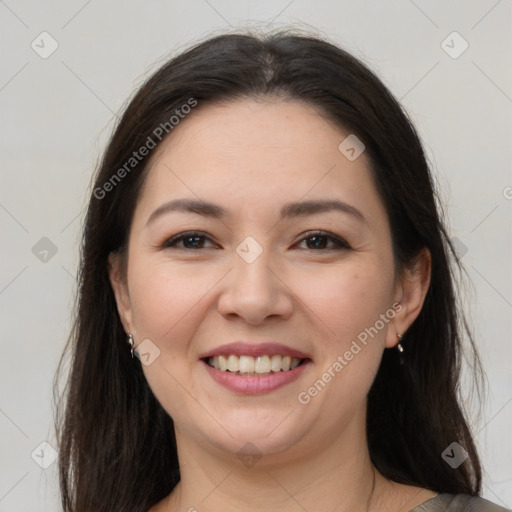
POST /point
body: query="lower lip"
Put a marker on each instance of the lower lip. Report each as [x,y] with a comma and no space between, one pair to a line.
[255,385]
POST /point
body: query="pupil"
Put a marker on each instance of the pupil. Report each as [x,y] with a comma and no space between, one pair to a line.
[196,238]
[322,241]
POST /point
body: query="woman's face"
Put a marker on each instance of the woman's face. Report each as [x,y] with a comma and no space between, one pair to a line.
[260,275]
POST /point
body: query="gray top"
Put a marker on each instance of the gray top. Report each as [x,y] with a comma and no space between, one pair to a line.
[458,503]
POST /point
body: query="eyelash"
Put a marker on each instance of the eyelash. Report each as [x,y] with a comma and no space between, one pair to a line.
[339,242]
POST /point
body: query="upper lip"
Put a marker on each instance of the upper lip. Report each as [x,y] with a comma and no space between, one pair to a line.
[241,348]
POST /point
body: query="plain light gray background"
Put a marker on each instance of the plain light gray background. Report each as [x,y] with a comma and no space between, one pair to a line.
[57,112]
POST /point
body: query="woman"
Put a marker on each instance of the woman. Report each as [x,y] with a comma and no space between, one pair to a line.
[263,235]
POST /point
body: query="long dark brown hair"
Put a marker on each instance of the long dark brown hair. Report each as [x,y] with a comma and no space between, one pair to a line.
[117,449]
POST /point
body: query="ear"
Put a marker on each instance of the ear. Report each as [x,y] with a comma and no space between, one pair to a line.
[117,276]
[410,293]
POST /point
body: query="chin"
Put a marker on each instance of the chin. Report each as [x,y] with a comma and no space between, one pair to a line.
[257,437]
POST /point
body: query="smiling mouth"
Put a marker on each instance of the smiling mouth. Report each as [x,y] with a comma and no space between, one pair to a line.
[250,366]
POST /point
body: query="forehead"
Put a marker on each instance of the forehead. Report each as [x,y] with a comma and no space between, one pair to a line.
[244,130]
[257,154]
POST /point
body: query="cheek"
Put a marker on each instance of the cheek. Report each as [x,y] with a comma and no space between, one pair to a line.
[347,299]
[358,310]
[166,302]
[349,302]
[166,298]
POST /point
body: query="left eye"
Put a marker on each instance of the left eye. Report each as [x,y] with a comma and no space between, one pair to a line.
[320,239]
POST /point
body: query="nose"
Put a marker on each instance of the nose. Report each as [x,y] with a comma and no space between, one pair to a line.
[255,291]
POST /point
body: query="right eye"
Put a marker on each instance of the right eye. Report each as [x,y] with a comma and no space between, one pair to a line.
[192,240]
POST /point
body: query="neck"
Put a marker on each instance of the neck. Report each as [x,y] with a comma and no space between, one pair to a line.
[339,477]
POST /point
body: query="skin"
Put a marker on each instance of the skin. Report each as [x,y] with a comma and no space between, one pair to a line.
[251,157]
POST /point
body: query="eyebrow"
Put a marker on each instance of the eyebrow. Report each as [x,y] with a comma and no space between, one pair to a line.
[289,210]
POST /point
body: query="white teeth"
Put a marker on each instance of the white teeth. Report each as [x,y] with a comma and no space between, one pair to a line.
[248,365]
[233,363]
[262,364]
[294,363]
[275,363]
